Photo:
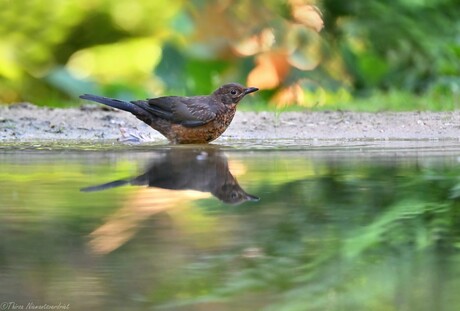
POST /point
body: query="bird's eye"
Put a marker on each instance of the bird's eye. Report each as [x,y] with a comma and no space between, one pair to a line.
[233,92]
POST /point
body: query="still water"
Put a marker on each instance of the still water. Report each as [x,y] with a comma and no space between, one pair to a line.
[225,228]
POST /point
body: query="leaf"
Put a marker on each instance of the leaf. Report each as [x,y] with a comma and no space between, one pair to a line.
[260,42]
[307,15]
[271,69]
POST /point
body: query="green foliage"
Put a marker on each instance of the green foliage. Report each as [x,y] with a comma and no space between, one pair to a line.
[37,43]
[188,75]
[406,45]
[394,100]
[148,48]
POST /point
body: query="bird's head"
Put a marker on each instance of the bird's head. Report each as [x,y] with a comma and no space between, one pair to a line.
[232,193]
[232,93]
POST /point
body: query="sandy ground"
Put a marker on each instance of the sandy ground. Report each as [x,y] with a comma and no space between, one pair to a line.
[28,123]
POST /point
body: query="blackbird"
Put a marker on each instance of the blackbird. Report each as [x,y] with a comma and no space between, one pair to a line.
[185,120]
[203,169]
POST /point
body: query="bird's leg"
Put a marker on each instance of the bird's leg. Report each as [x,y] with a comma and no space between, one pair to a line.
[128,136]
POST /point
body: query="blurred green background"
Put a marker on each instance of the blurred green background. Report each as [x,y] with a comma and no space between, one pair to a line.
[330,54]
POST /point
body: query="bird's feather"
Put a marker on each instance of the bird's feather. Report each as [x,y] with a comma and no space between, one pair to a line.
[188,111]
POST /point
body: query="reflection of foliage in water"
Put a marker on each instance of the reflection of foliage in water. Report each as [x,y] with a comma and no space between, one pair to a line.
[378,235]
[355,237]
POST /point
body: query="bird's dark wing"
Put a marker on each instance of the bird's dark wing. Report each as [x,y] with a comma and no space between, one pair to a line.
[188,111]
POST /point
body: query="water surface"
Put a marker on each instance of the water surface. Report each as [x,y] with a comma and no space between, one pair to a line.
[361,227]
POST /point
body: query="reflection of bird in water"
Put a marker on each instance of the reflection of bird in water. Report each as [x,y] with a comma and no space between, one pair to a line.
[202,169]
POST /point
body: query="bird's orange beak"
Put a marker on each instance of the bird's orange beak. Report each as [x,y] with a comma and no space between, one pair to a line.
[250,90]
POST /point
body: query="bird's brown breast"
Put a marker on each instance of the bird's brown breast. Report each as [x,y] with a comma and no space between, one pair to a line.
[180,134]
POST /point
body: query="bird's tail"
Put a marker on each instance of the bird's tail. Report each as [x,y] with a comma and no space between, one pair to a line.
[119,104]
[109,185]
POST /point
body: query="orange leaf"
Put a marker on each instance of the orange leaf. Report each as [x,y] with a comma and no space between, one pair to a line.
[272,68]
[307,15]
[260,42]
[288,96]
